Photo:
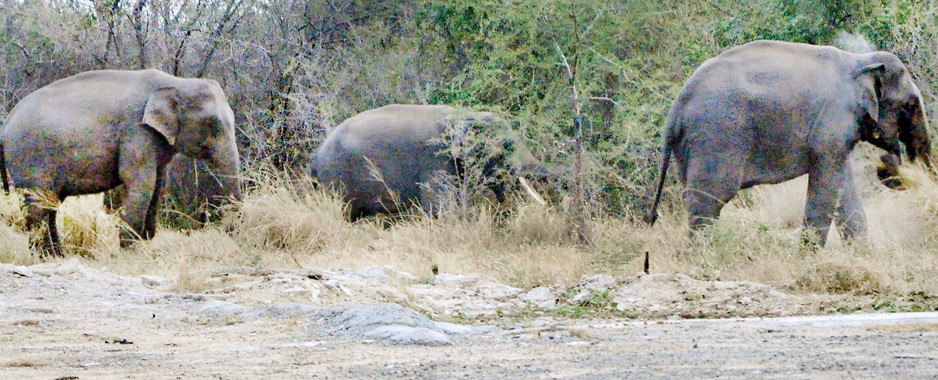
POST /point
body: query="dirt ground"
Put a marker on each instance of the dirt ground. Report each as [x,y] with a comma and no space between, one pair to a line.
[67,320]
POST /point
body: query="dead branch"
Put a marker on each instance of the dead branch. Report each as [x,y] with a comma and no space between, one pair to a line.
[604,99]
[143,62]
[215,37]
[579,224]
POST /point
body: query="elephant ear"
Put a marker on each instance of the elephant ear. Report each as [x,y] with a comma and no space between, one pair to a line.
[871,94]
[160,113]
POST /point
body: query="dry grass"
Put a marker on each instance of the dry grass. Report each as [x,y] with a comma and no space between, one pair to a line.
[290,225]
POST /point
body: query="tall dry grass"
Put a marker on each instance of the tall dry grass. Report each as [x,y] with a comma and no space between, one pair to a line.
[285,225]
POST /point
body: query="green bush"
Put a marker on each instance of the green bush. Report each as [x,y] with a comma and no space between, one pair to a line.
[295,69]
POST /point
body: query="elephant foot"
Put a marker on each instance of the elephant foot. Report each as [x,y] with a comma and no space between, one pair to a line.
[48,247]
[129,238]
[128,241]
[51,251]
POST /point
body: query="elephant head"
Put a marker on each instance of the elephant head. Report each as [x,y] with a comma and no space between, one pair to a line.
[895,114]
[498,150]
[197,121]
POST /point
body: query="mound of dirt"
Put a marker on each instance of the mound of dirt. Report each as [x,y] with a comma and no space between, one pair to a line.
[390,322]
[661,295]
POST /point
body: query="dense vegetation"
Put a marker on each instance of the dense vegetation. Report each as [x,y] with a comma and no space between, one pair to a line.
[295,69]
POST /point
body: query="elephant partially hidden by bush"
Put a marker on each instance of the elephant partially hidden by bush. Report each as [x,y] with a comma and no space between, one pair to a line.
[769,111]
[97,130]
[192,194]
[393,156]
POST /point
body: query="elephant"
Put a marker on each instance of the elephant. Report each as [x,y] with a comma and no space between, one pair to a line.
[769,111]
[192,189]
[389,157]
[94,131]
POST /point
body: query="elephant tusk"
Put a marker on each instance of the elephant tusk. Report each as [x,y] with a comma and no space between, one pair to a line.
[533,194]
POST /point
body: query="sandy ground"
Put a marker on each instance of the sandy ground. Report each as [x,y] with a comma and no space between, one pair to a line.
[66,320]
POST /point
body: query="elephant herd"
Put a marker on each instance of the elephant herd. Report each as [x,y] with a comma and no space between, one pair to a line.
[763,112]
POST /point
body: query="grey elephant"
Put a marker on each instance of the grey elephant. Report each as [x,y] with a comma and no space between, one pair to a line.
[192,190]
[97,130]
[768,111]
[389,157]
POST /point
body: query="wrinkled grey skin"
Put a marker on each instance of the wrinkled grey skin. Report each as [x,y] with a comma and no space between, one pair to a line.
[404,142]
[192,189]
[97,130]
[767,112]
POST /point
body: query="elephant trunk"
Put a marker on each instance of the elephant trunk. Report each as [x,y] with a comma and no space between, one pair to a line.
[227,165]
[915,136]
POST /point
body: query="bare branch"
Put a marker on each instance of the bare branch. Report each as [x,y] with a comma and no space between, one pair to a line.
[216,34]
[112,36]
[181,48]
[604,99]
[143,62]
[566,64]
[569,74]
[579,223]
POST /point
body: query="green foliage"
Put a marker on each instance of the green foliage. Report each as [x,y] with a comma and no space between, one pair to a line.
[804,21]
[295,69]
[599,304]
[915,302]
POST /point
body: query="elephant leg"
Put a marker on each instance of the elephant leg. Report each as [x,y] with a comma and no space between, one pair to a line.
[114,198]
[154,207]
[141,189]
[40,214]
[143,159]
[355,213]
[851,208]
[825,190]
[430,192]
[35,214]
[52,242]
[500,188]
[710,186]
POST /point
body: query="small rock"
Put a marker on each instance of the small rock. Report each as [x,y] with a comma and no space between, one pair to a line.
[540,297]
[68,267]
[588,285]
[455,329]
[153,281]
[221,309]
[22,271]
[409,335]
[745,301]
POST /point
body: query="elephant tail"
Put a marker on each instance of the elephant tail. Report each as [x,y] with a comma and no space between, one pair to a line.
[3,170]
[670,137]
[652,216]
